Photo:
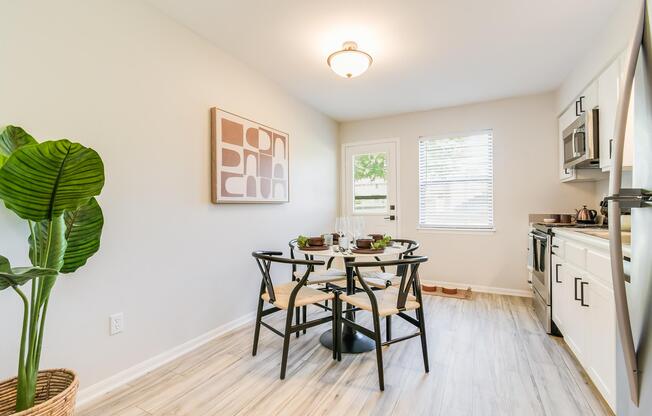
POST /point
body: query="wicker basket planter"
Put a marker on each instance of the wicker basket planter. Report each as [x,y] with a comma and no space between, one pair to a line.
[55,394]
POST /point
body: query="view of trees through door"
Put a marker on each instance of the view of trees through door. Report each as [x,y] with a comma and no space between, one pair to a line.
[370,183]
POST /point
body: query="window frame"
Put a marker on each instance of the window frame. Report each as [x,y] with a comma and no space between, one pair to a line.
[454,229]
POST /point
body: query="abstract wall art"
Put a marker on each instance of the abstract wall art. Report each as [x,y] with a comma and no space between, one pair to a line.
[250,161]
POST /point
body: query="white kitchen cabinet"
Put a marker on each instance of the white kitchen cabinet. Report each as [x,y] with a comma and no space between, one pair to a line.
[583,306]
[609,84]
[576,315]
[601,328]
[559,311]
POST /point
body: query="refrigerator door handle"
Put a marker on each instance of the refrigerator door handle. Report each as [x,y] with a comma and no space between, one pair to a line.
[615,238]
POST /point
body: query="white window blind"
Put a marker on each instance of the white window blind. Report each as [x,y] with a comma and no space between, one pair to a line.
[456,189]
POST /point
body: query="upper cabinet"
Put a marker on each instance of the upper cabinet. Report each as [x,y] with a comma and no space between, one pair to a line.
[587,101]
[602,94]
[609,84]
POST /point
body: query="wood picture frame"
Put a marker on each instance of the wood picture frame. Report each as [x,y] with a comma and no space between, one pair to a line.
[250,162]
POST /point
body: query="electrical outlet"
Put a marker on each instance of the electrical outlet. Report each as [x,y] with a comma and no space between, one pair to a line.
[116,323]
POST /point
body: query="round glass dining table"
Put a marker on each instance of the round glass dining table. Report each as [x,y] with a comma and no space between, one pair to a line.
[352,341]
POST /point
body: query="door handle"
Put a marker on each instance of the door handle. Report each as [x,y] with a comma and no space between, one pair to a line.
[573,143]
[582,293]
[624,325]
[577,111]
[557,266]
[577,279]
[391,217]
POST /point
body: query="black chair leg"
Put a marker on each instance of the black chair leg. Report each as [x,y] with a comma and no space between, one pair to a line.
[305,316]
[388,331]
[297,311]
[379,353]
[424,344]
[257,330]
[334,331]
[338,339]
[286,342]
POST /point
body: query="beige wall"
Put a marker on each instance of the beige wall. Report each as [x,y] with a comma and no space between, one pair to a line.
[120,77]
[526,181]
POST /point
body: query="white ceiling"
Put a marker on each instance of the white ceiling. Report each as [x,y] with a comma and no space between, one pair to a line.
[427,53]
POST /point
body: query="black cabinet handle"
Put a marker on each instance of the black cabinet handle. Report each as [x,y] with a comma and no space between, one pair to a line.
[582,104]
[582,293]
[611,147]
[577,111]
[557,266]
[577,279]
[391,217]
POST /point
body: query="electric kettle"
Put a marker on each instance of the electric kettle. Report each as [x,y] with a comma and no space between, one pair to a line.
[585,215]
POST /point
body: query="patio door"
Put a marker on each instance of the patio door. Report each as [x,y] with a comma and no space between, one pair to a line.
[370,185]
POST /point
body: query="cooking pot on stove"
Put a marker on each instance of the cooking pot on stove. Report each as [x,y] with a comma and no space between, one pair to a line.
[585,215]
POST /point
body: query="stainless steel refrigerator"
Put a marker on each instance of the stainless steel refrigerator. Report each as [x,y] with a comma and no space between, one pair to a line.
[633,294]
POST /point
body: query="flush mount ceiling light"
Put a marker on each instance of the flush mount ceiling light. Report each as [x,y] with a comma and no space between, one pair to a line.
[349,62]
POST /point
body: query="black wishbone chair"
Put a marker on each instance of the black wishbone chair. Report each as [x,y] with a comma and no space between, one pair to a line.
[385,303]
[327,276]
[289,296]
[381,278]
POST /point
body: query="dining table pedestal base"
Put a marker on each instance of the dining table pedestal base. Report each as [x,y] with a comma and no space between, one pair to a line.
[352,342]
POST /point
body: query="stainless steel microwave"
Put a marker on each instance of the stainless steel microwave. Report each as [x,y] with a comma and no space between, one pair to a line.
[582,142]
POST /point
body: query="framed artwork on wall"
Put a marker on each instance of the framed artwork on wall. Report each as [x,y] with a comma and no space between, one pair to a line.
[250,162]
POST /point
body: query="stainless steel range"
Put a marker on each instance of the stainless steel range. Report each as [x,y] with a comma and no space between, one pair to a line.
[539,257]
[539,260]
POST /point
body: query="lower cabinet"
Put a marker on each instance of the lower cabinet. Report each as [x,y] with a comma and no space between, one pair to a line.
[601,330]
[583,310]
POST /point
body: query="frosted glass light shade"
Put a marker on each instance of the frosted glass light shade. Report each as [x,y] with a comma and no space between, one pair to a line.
[349,62]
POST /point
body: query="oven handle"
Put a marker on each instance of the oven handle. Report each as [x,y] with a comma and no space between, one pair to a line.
[539,237]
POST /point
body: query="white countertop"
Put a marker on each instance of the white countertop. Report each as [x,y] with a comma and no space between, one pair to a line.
[594,237]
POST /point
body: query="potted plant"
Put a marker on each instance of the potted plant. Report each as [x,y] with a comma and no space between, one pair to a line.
[51,185]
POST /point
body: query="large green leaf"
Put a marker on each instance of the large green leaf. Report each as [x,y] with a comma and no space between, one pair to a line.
[11,139]
[40,182]
[21,275]
[50,245]
[83,232]
[5,266]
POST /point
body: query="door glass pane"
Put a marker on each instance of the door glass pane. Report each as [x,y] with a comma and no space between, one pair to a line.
[370,183]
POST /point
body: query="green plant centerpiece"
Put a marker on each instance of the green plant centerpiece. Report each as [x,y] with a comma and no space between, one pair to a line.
[302,241]
[382,243]
[52,186]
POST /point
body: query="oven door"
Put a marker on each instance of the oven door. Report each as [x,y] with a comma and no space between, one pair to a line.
[540,269]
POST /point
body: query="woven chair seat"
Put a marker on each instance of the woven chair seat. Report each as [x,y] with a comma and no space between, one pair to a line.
[322,276]
[387,300]
[380,279]
[306,295]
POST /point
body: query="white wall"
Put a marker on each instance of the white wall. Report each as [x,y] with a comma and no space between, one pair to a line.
[526,181]
[124,79]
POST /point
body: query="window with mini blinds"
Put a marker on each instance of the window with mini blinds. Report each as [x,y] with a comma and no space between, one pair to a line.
[456,184]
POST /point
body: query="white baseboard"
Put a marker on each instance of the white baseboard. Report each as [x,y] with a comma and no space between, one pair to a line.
[105,386]
[484,289]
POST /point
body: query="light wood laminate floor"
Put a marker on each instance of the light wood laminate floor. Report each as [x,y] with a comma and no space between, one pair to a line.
[488,356]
